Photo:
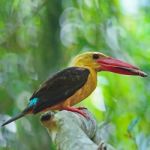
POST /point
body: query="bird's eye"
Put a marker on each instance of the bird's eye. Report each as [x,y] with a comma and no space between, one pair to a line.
[95,56]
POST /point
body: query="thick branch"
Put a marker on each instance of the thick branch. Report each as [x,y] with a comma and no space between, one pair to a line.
[71,131]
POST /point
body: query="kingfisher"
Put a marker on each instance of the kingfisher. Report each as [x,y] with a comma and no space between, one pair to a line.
[73,84]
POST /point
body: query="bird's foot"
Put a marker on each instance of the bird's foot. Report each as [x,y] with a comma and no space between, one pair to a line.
[78,110]
[81,107]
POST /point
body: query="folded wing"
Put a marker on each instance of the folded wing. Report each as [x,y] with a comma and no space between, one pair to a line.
[59,87]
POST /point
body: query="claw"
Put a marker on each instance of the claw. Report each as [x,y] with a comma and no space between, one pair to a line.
[80,108]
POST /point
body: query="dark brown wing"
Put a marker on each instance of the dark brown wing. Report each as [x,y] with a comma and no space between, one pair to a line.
[59,87]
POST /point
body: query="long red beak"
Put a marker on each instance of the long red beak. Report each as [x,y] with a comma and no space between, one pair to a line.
[118,66]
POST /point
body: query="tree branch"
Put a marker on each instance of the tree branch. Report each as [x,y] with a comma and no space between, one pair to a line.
[71,131]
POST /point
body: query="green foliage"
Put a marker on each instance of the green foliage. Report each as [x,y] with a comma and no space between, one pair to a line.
[37,38]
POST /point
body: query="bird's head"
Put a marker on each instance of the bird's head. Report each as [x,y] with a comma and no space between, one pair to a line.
[101,62]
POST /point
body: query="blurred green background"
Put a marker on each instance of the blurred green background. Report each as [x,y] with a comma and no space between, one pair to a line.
[39,37]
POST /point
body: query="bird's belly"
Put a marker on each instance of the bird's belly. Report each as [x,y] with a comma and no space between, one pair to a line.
[79,95]
[83,92]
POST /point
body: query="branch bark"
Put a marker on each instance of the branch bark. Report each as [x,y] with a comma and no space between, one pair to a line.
[71,131]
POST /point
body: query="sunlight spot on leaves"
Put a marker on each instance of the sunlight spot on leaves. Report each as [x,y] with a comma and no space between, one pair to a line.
[22,99]
[2,141]
[10,127]
[98,99]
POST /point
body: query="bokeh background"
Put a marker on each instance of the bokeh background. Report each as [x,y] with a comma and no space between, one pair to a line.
[39,37]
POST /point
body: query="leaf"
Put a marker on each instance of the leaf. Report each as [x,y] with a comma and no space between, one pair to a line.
[133,124]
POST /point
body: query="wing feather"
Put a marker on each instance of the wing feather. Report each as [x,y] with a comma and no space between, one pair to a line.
[59,87]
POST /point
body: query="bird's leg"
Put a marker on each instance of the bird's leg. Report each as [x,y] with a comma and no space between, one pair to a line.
[78,110]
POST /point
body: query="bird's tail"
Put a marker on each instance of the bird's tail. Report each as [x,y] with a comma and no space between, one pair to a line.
[13,118]
[20,115]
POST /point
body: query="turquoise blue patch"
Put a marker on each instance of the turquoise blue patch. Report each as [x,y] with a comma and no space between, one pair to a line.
[33,102]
